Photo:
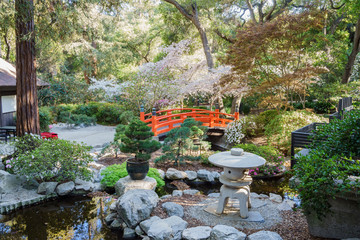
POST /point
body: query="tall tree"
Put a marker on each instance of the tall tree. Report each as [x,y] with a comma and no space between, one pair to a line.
[27,114]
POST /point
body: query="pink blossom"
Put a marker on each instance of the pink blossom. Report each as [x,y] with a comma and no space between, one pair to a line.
[8,166]
[8,161]
[257,169]
[255,173]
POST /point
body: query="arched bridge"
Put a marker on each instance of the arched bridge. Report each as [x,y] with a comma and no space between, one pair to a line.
[163,121]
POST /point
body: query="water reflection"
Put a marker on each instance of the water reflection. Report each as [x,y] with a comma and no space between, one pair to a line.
[70,218]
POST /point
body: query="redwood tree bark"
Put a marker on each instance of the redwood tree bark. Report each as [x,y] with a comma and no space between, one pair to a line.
[27,113]
[354,52]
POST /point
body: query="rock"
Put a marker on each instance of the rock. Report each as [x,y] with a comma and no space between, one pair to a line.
[177,225]
[215,174]
[191,191]
[174,174]
[47,188]
[197,233]
[263,196]
[96,165]
[9,183]
[146,238]
[136,205]
[177,193]
[275,198]
[257,203]
[129,233]
[291,203]
[223,232]
[98,187]
[191,175]
[264,235]
[110,218]
[113,207]
[139,231]
[162,173]
[2,166]
[214,195]
[173,209]
[125,184]
[284,206]
[254,195]
[205,175]
[81,185]
[116,224]
[65,188]
[145,225]
[166,196]
[169,228]
[162,231]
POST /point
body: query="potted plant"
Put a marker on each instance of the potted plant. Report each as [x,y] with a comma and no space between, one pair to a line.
[327,179]
[137,140]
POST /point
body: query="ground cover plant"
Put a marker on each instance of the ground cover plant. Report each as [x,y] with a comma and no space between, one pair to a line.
[325,172]
[113,173]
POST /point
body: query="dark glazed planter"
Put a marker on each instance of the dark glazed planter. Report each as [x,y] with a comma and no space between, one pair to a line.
[137,170]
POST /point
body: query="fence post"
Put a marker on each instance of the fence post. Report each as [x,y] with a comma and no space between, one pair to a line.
[216,113]
[153,122]
[142,113]
[236,116]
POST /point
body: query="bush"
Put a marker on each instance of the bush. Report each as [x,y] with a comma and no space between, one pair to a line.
[324,172]
[109,113]
[324,107]
[45,118]
[274,160]
[113,173]
[50,160]
[264,118]
[278,131]
[78,119]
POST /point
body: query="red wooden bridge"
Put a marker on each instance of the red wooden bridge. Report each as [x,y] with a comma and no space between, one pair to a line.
[165,120]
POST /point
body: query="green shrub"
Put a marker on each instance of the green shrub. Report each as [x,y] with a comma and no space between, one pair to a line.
[265,118]
[324,172]
[274,159]
[50,160]
[126,117]
[278,131]
[324,107]
[113,173]
[45,118]
[79,119]
[109,113]
[88,109]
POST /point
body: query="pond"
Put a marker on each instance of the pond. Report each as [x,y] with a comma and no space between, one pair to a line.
[83,218]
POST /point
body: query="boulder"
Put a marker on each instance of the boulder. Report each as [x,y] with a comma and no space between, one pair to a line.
[86,186]
[197,233]
[223,232]
[173,209]
[9,183]
[191,191]
[205,175]
[215,174]
[145,225]
[162,231]
[174,174]
[129,233]
[116,224]
[136,205]
[2,166]
[125,184]
[96,165]
[177,193]
[275,198]
[166,196]
[110,218]
[65,188]
[214,195]
[139,231]
[162,173]
[169,228]
[47,188]
[264,235]
[191,175]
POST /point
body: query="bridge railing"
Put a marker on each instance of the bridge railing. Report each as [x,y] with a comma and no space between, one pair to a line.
[165,120]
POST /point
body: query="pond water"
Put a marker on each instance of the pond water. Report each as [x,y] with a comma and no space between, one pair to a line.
[67,218]
[83,218]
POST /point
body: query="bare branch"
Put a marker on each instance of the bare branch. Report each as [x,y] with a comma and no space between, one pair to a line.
[333,7]
[251,9]
[223,36]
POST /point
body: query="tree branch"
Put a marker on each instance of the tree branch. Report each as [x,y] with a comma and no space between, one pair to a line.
[181,9]
[217,31]
[333,7]
[251,9]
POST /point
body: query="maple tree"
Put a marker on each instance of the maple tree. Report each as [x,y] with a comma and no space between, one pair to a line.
[274,58]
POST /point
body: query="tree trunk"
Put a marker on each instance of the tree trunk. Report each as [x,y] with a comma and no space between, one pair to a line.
[355,50]
[235,104]
[8,47]
[27,114]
